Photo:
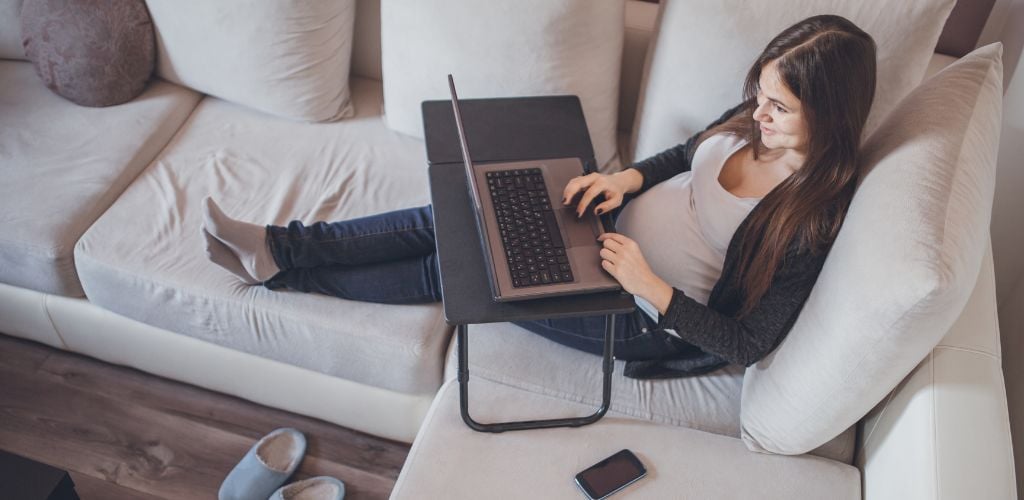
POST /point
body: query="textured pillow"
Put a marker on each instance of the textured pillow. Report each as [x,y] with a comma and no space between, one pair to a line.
[502,48]
[289,58]
[901,269]
[10,30]
[703,49]
[91,52]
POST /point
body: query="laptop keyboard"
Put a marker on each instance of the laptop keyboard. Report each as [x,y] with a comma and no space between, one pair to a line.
[529,231]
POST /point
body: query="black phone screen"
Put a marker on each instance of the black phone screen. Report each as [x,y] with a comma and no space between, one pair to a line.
[610,475]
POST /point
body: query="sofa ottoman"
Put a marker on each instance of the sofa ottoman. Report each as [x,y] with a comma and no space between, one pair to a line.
[449,459]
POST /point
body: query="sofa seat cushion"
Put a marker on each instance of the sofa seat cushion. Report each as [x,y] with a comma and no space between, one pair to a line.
[512,356]
[449,460]
[63,165]
[145,258]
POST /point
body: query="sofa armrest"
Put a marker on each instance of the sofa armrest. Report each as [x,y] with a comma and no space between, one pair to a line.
[944,432]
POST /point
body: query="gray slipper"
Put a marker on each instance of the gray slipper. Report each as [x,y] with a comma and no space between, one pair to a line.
[314,488]
[267,465]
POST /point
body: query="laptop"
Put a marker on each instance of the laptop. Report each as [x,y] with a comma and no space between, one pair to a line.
[534,246]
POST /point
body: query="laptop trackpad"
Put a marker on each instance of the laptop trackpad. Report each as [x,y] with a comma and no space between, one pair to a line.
[581,232]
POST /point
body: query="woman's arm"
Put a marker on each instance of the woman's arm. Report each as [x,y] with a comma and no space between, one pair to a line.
[675,160]
[748,340]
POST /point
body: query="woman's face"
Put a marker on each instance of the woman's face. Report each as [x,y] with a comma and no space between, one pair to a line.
[779,113]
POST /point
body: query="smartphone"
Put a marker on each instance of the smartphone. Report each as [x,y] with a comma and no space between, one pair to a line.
[610,475]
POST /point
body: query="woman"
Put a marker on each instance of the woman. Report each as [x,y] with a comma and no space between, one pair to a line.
[721,240]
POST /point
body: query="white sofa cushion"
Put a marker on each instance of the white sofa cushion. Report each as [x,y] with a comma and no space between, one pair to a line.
[10,30]
[703,49]
[267,170]
[290,58]
[901,269]
[503,48]
[510,355]
[62,165]
[449,460]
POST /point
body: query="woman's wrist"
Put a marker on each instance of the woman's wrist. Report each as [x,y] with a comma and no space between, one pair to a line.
[659,295]
[630,179]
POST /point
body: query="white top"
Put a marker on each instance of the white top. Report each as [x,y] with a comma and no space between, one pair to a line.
[684,225]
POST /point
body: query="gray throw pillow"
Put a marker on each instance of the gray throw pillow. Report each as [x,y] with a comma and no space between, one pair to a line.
[91,52]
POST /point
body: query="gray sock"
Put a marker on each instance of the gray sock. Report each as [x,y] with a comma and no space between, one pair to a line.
[246,240]
[220,254]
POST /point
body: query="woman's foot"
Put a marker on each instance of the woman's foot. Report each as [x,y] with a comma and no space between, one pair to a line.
[246,240]
[220,254]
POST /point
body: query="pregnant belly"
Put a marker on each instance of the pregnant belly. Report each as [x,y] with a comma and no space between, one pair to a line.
[663,223]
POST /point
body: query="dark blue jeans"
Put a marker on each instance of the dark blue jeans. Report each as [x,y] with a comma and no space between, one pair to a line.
[389,258]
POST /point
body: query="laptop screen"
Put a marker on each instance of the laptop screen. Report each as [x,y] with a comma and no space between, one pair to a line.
[466,160]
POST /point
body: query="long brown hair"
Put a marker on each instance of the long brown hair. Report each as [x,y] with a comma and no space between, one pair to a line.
[829,64]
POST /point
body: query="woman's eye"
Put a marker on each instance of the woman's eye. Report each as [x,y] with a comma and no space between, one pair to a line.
[780,109]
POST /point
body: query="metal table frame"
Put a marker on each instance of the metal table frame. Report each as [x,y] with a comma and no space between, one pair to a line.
[608,367]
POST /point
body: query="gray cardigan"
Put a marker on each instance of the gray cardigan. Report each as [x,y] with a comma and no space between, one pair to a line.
[718,336]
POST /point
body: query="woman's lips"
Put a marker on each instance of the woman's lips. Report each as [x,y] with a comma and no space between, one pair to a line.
[766,131]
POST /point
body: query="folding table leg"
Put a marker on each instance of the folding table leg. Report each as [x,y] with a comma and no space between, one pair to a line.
[608,368]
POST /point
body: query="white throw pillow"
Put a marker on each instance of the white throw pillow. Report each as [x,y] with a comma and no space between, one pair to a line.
[901,269]
[504,48]
[10,30]
[703,49]
[288,58]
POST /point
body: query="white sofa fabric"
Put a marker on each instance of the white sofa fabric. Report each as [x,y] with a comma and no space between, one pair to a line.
[900,270]
[504,48]
[943,433]
[10,30]
[506,354]
[63,165]
[144,257]
[905,33]
[290,58]
[449,460]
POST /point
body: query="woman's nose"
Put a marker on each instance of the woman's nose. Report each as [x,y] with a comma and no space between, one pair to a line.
[760,114]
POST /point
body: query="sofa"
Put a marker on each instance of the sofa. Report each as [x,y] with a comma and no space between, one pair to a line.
[102,253]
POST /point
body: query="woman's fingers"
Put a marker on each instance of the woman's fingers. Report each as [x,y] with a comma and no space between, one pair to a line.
[613,245]
[588,196]
[620,239]
[575,185]
[611,202]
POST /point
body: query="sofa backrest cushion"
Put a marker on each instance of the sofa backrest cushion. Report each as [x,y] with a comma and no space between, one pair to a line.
[900,270]
[90,52]
[703,49]
[503,48]
[289,58]
[10,30]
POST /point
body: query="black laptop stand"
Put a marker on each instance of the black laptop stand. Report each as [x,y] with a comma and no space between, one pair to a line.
[503,130]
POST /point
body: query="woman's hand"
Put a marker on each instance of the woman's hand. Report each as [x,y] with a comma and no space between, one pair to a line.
[613,187]
[622,258]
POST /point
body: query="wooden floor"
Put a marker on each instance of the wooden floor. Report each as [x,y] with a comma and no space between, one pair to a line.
[125,434]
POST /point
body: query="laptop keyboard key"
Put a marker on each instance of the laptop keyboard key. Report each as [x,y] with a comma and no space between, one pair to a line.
[528,227]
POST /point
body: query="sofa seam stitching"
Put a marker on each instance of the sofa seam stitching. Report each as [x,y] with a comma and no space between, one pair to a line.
[968,349]
[53,324]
